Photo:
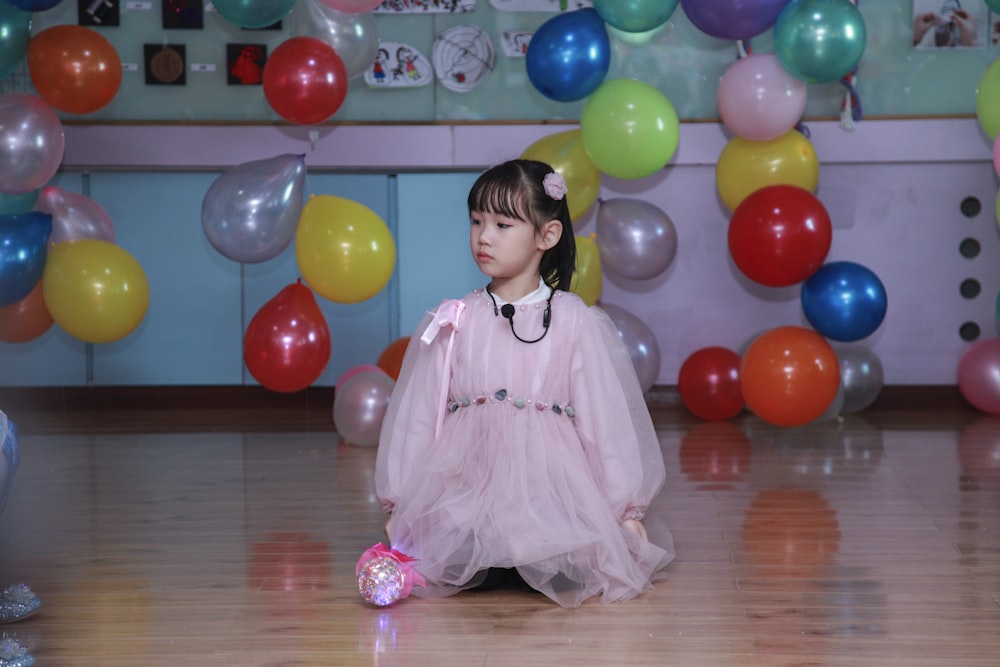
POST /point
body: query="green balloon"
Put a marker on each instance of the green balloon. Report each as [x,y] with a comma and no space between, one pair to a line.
[15,32]
[819,41]
[629,129]
[988,100]
[18,204]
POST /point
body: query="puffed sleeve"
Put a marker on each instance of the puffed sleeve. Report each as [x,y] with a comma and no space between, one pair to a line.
[612,419]
[408,426]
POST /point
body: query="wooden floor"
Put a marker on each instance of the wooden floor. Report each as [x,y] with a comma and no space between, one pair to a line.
[228,536]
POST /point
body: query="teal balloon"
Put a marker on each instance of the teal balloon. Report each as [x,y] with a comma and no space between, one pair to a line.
[18,204]
[819,41]
[15,31]
[253,13]
[994,6]
[635,15]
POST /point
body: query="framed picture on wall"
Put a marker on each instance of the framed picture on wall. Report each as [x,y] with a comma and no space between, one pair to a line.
[165,64]
[183,15]
[245,64]
[98,13]
[951,24]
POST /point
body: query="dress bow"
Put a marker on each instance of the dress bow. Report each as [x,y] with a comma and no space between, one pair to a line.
[449,313]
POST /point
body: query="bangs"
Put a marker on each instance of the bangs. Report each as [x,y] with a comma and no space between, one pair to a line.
[497,195]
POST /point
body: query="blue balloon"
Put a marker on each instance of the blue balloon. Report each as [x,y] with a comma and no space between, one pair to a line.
[569,55]
[733,19]
[844,301]
[24,241]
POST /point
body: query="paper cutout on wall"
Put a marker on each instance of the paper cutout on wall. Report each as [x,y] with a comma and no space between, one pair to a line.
[463,57]
[539,5]
[398,65]
[514,43]
[426,6]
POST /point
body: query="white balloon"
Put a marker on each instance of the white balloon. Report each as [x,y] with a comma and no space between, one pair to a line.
[353,36]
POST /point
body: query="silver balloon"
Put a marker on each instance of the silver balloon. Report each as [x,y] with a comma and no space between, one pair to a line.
[635,238]
[31,142]
[353,36]
[640,343]
[861,376]
[74,216]
[359,407]
[250,213]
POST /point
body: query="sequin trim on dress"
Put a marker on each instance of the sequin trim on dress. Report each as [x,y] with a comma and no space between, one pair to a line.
[503,396]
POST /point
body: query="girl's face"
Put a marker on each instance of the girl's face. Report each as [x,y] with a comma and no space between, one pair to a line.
[505,248]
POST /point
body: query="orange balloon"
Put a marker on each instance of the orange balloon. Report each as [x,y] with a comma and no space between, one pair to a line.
[26,319]
[789,375]
[391,359]
[74,69]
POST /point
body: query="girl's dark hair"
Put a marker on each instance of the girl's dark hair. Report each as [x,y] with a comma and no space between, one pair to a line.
[514,189]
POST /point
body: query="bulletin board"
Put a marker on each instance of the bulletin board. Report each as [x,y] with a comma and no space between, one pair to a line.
[899,74]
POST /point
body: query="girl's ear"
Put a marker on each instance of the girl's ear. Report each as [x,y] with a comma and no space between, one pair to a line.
[549,234]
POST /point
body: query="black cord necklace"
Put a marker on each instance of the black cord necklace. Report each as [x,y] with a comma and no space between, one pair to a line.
[507,310]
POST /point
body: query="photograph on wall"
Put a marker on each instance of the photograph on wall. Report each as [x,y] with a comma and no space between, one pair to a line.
[514,43]
[183,15]
[951,24]
[426,6]
[463,57]
[245,64]
[540,5]
[398,65]
[98,13]
[165,64]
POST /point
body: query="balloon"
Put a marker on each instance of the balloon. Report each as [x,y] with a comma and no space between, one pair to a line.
[251,211]
[305,81]
[359,407]
[640,343]
[780,235]
[287,344]
[564,152]
[588,279]
[819,41]
[355,370]
[745,166]
[733,19]
[709,383]
[75,216]
[635,15]
[31,143]
[569,55]
[630,130]
[73,68]
[979,375]
[352,6]
[844,301]
[23,248]
[391,359]
[635,238]
[15,32]
[789,376]
[253,13]
[861,376]
[26,319]
[95,290]
[758,100]
[344,250]
[988,100]
[16,204]
[353,36]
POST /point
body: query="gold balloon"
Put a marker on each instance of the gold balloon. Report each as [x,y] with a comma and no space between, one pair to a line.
[745,166]
[587,278]
[344,249]
[95,290]
[565,153]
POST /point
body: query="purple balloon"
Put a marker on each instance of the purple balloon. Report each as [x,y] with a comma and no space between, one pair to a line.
[733,19]
[640,342]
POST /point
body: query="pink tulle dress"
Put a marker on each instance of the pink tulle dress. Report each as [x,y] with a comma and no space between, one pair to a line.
[495,453]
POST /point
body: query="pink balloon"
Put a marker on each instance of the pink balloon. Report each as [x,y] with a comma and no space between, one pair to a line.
[351,372]
[979,375]
[758,99]
[360,405]
[352,6]
[74,216]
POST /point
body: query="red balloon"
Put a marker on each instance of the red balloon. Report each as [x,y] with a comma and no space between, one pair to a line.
[780,235]
[287,345]
[709,383]
[391,359]
[26,319]
[305,80]
[74,69]
[790,376]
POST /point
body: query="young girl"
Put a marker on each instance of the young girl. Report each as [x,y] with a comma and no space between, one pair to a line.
[517,435]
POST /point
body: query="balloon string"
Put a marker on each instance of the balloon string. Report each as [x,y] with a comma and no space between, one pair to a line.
[743,48]
[850,108]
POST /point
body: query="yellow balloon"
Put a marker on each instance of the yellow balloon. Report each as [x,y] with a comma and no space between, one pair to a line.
[587,278]
[745,166]
[344,250]
[94,289]
[564,152]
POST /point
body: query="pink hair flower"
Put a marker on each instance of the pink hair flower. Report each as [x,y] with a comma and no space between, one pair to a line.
[555,185]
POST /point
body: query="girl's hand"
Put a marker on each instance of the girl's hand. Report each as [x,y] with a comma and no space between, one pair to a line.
[636,525]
